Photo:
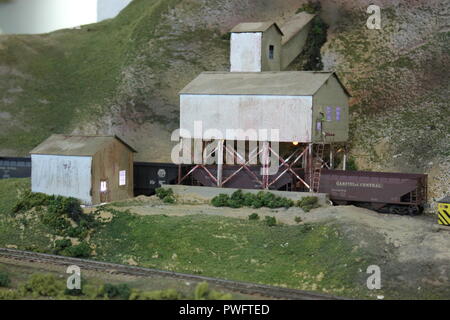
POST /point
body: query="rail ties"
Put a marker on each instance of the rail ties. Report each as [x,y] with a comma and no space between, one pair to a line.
[242,287]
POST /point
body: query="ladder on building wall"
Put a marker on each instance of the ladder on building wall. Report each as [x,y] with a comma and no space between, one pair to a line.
[317,167]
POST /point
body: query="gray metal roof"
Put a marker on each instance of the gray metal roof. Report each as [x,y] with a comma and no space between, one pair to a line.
[287,83]
[295,24]
[254,27]
[71,145]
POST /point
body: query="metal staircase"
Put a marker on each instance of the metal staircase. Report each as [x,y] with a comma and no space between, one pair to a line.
[317,167]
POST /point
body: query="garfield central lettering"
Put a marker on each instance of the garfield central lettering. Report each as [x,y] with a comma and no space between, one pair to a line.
[359,184]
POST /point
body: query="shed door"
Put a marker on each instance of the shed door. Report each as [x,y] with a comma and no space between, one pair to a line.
[104,191]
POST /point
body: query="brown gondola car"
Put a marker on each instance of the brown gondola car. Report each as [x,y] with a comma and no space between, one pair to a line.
[401,193]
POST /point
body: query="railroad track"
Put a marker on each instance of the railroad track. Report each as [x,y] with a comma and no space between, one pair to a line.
[241,287]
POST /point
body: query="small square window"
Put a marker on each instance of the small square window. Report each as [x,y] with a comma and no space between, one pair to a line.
[122,178]
[271,52]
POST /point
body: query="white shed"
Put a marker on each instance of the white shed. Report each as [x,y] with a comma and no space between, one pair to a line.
[94,169]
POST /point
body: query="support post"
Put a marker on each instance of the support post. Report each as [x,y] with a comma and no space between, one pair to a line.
[219,163]
[180,159]
[309,170]
[265,164]
[331,157]
[344,165]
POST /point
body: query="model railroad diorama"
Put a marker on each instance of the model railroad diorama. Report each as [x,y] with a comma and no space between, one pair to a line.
[309,110]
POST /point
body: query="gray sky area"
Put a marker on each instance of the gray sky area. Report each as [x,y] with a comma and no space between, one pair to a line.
[41,16]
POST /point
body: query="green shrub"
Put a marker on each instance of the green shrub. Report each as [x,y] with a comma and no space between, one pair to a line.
[9,294]
[73,292]
[43,285]
[249,199]
[31,200]
[239,199]
[57,223]
[270,221]
[308,203]
[351,164]
[163,192]
[66,206]
[169,199]
[121,291]
[166,195]
[253,216]
[220,200]
[298,219]
[61,245]
[202,292]
[77,232]
[168,294]
[4,280]
[82,250]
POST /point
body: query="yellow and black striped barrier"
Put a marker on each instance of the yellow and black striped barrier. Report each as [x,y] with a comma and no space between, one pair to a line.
[444,211]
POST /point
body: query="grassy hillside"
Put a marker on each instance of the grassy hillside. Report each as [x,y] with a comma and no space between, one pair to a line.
[122,76]
[329,255]
[310,257]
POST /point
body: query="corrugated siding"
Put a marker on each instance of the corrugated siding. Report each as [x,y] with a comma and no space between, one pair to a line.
[291,115]
[68,176]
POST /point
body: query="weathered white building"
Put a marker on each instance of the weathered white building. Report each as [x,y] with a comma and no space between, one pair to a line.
[263,110]
[264,46]
[94,169]
[305,107]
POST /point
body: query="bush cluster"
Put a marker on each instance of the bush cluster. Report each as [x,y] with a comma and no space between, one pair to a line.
[166,195]
[308,203]
[253,216]
[64,217]
[239,199]
[4,280]
[168,294]
[202,292]
[45,285]
[270,221]
[48,285]
[82,250]
[121,291]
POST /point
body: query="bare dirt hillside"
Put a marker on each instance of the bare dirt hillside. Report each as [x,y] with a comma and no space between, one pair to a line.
[122,76]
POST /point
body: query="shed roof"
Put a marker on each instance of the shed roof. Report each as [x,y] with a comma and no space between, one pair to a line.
[287,83]
[255,27]
[295,24]
[71,145]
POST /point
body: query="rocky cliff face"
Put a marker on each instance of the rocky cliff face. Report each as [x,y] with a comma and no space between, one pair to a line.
[122,76]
